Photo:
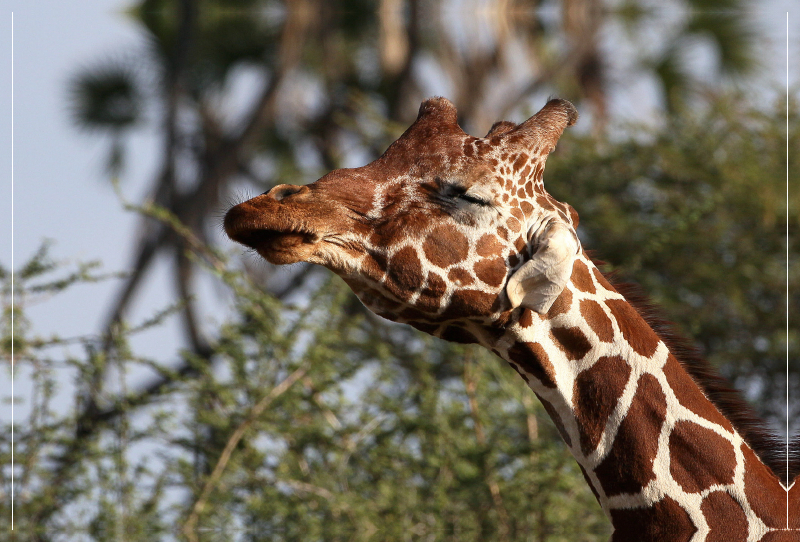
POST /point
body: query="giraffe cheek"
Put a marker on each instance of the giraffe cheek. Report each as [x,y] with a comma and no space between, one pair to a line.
[445,246]
[492,271]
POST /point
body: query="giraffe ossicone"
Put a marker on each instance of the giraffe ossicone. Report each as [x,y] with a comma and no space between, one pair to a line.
[457,236]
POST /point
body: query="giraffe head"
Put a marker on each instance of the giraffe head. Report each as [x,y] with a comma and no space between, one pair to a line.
[445,231]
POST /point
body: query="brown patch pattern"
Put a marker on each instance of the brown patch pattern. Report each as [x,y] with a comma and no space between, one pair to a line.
[581,277]
[492,271]
[526,319]
[687,443]
[763,491]
[665,521]
[726,519]
[561,305]
[445,246]
[638,335]
[488,245]
[595,395]
[571,341]
[404,273]
[628,467]
[598,320]
[689,395]
[469,303]
[601,280]
[533,358]
[431,295]
[460,276]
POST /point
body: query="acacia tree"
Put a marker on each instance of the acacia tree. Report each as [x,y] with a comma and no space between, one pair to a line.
[390,430]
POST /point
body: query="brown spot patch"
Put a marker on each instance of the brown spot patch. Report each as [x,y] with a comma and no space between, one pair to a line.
[726,519]
[689,394]
[794,504]
[602,280]
[520,162]
[764,493]
[595,394]
[598,320]
[374,265]
[533,358]
[460,276]
[513,224]
[430,297]
[628,467]
[465,303]
[457,334]
[404,273]
[571,341]
[662,522]
[435,287]
[551,411]
[445,246]
[520,244]
[503,233]
[409,314]
[779,536]
[699,457]
[492,271]
[561,305]
[527,208]
[488,245]
[525,319]
[544,204]
[581,277]
[634,330]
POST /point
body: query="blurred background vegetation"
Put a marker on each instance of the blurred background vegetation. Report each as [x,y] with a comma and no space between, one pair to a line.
[305,417]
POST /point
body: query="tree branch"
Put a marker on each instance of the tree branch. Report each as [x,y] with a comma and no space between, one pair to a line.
[191,522]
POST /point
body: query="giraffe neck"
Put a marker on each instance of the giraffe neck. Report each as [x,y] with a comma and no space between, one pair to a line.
[657,453]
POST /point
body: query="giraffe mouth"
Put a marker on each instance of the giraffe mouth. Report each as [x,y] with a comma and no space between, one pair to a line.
[277,243]
[277,246]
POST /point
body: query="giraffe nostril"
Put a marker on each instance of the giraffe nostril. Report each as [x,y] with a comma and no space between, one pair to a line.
[282,191]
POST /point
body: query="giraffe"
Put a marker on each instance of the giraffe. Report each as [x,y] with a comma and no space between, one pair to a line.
[457,236]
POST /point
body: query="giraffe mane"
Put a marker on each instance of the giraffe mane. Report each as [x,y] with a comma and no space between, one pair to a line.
[783,461]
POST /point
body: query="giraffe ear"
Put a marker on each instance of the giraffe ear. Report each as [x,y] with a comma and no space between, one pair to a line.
[500,127]
[546,126]
[540,280]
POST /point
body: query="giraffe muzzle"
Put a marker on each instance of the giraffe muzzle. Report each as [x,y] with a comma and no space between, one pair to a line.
[267,226]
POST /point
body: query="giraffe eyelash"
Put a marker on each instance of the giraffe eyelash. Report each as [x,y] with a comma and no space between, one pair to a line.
[456,191]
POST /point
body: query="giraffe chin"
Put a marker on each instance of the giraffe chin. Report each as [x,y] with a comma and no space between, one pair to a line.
[286,248]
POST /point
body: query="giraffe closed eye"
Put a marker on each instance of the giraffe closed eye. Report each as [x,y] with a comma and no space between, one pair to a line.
[453,190]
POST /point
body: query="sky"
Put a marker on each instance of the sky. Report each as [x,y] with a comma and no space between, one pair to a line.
[59,188]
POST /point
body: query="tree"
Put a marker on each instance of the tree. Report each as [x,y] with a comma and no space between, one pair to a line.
[379,435]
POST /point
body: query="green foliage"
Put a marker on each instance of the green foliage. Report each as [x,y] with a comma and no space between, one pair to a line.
[388,434]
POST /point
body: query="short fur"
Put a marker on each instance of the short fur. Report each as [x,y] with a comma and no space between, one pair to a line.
[768,446]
